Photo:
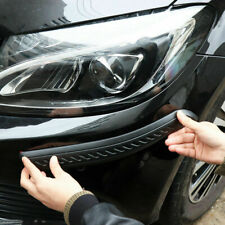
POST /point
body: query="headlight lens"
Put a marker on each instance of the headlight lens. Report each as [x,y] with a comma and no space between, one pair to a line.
[100,64]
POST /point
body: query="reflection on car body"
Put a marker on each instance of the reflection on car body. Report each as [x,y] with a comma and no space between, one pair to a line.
[98,84]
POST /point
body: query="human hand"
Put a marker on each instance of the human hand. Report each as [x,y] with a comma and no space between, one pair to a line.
[52,192]
[200,140]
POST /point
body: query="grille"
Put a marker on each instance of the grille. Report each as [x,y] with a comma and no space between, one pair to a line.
[16,203]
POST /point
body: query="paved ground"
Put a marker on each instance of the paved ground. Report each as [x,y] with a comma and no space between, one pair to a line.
[216,215]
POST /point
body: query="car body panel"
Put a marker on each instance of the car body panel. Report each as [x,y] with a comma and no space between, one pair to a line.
[64,131]
[215,45]
[180,2]
[46,14]
[139,173]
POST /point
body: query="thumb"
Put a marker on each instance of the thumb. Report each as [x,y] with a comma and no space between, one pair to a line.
[187,121]
[55,168]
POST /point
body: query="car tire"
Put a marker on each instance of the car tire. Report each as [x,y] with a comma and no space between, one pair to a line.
[180,206]
[178,209]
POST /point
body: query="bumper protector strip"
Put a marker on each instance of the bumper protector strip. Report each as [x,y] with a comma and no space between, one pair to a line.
[111,148]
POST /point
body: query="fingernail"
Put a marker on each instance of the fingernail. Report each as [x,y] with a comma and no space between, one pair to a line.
[169,140]
[54,158]
[24,158]
[181,112]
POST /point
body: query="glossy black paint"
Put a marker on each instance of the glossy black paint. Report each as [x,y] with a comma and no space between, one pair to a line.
[45,104]
[47,132]
[139,173]
[47,14]
[138,176]
[215,45]
[181,2]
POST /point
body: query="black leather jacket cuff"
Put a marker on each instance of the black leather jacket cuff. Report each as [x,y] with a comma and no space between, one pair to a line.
[82,204]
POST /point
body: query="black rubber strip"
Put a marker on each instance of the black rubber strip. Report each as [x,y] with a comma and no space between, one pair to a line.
[110,148]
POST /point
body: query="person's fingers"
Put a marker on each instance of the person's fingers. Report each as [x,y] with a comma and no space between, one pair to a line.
[34,172]
[184,149]
[181,131]
[187,121]
[185,145]
[43,173]
[179,139]
[25,181]
[32,179]
[189,152]
[55,168]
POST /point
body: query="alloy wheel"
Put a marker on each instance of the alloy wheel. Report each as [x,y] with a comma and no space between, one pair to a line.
[203,177]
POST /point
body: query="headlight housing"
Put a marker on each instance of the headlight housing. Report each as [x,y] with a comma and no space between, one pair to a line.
[100,64]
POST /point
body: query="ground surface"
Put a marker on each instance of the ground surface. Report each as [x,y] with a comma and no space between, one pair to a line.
[216,215]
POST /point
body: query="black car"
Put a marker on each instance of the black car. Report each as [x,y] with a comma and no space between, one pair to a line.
[98,83]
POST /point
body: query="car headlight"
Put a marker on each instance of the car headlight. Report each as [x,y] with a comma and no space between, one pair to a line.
[101,63]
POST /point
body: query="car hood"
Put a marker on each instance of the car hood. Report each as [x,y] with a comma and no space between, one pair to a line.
[19,16]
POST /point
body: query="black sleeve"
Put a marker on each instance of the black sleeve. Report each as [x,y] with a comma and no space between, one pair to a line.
[87,211]
[79,207]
